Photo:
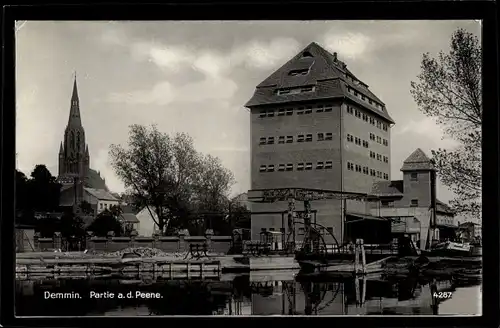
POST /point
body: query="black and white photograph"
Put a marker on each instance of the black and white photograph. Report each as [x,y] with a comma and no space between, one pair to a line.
[248,168]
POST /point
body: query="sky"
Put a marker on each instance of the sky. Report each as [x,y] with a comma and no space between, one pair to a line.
[195,77]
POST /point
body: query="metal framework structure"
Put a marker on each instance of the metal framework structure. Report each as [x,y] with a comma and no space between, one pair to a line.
[313,241]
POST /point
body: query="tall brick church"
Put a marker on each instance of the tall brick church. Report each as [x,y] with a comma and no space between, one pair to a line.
[75,173]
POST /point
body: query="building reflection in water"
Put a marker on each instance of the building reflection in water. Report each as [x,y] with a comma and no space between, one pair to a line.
[348,297]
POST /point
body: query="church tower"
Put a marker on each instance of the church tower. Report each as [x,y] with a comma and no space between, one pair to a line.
[74,158]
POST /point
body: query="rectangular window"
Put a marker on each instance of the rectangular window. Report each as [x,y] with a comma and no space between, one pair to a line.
[270,113]
[372,172]
[385,142]
[301,231]
[379,140]
[319,109]
[263,168]
[372,121]
[350,110]
[379,124]
[379,174]
[414,176]
[328,165]
[270,140]
[281,139]
[358,141]
[300,138]
[319,166]
[300,110]
[270,168]
[372,136]
[386,176]
[289,167]
[384,127]
[289,139]
[281,167]
[358,168]
[372,154]
[308,110]
[379,157]
[329,136]
[262,141]
[365,143]
[328,108]
[414,203]
[309,138]
[289,111]
[300,166]
[283,92]
[370,101]
[100,205]
[309,166]
[350,166]
[281,112]
[363,97]
[386,159]
[321,136]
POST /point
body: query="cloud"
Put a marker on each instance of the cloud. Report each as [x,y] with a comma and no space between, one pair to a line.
[427,129]
[214,66]
[348,45]
[100,162]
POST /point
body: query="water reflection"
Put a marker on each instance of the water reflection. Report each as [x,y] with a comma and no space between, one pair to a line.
[257,294]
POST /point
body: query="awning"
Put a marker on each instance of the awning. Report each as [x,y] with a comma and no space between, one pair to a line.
[356,217]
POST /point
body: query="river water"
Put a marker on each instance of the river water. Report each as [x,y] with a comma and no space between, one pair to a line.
[255,294]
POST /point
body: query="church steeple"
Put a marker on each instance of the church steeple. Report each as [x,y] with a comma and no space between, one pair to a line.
[74,113]
[74,156]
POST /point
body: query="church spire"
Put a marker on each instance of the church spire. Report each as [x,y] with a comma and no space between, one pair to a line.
[74,114]
[61,149]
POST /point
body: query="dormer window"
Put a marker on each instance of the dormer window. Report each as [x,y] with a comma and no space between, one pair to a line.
[298,72]
[307,54]
[307,89]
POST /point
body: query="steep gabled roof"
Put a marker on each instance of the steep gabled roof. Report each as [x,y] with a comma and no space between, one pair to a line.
[100,194]
[418,160]
[324,70]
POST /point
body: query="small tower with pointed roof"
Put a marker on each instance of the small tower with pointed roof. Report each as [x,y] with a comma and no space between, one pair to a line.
[419,180]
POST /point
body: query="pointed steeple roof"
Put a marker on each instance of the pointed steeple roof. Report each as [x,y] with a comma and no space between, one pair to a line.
[61,149]
[417,161]
[74,113]
[314,67]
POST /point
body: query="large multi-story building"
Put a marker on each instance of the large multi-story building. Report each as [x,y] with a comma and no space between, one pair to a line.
[315,125]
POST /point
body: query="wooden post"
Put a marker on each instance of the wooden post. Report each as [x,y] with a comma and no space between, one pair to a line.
[356,287]
[202,269]
[363,296]
[188,269]
[363,256]
[356,257]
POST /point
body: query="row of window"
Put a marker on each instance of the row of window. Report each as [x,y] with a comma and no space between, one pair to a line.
[366,170]
[300,138]
[299,110]
[365,98]
[379,157]
[292,91]
[300,166]
[367,118]
[379,139]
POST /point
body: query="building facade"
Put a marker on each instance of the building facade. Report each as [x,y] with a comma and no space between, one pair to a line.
[315,125]
[74,171]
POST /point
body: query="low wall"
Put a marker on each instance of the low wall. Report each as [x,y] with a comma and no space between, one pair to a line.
[179,244]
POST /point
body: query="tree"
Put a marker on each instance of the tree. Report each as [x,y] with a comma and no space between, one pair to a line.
[449,90]
[167,175]
[105,222]
[43,191]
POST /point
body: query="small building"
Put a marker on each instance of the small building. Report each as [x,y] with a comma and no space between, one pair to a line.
[411,203]
[129,221]
[99,199]
[470,230]
[147,218]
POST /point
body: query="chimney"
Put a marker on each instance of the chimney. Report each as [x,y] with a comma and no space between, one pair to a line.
[335,56]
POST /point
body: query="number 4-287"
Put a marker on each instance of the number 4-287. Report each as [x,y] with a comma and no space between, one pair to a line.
[442,295]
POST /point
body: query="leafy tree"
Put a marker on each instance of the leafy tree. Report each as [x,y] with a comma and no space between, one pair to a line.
[71,225]
[168,176]
[43,190]
[86,208]
[449,90]
[106,221]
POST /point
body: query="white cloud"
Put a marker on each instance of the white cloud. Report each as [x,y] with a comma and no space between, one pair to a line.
[347,45]
[100,162]
[428,129]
